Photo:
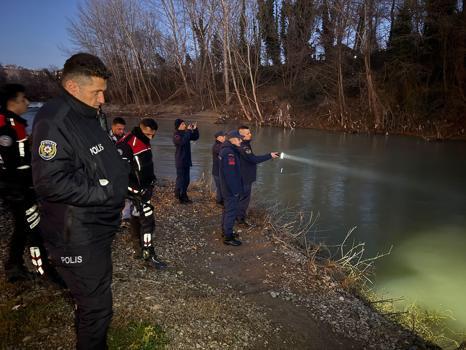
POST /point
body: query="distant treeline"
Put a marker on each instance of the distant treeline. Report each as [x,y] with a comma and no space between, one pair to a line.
[40,84]
[389,64]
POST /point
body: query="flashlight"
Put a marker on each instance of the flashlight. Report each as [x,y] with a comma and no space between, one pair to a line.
[282,155]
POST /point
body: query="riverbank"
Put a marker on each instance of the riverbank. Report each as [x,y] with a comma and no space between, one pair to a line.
[263,295]
[429,131]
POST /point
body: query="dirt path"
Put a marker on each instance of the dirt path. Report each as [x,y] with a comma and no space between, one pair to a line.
[306,311]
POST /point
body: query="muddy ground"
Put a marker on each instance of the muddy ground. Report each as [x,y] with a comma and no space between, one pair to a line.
[261,295]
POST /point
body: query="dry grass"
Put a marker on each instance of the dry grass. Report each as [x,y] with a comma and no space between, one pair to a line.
[349,266]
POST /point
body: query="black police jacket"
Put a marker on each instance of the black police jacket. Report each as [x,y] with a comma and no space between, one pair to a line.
[15,153]
[249,162]
[215,161]
[182,140]
[79,177]
[135,148]
[231,183]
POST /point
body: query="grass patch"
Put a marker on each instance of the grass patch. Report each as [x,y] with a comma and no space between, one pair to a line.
[354,272]
[432,326]
[20,318]
[137,336]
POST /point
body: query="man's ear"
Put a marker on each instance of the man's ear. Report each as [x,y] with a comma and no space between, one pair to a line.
[72,87]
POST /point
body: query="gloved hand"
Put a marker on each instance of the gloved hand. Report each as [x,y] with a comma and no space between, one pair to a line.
[147,209]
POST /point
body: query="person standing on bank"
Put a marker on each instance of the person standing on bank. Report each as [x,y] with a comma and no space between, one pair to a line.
[231,185]
[182,138]
[135,148]
[81,182]
[219,140]
[117,132]
[249,163]
[118,129]
[16,187]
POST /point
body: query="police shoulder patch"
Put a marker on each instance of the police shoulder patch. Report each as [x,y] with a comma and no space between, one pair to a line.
[6,141]
[231,159]
[248,151]
[47,149]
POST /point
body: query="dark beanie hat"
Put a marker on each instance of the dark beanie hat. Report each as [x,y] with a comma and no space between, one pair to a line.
[234,134]
[219,133]
[178,123]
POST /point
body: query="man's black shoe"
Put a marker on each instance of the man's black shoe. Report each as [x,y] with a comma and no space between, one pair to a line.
[235,234]
[125,223]
[243,223]
[157,263]
[231,241]
[185,200]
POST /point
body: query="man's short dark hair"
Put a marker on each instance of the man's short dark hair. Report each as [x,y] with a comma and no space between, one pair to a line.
[9,92]
[85,64]
[118,120]
[243,127]
[149,122]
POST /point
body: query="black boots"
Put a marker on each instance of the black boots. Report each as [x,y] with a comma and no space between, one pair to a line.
[184,199]
[232,241]
[148,254]
[243,223]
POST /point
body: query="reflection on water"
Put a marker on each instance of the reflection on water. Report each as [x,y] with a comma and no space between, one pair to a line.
[398,191]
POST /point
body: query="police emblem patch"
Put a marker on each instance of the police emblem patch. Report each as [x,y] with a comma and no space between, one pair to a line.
[47,149]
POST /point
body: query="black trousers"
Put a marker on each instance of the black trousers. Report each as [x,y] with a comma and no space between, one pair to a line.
[182,182]
[244,201]
[230,212]
[87,272]
[218,193]
[23,234]
[144,223]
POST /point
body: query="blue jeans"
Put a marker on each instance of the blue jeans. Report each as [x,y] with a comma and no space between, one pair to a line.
[126,212]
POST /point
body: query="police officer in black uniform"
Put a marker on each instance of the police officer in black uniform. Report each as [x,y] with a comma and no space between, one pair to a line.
[81,182]
[135,148]
[182,138]
[231,185]
[249,163]
[16,185]
[219,140]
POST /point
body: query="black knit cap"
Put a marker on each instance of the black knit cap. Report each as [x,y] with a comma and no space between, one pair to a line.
[178,123]
[219,133]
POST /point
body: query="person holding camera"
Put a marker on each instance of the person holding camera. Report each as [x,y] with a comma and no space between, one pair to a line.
[184,134]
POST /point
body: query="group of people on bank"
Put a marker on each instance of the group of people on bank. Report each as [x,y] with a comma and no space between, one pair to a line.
[85,183]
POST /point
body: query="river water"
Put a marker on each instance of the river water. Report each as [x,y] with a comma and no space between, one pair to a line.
[398,192]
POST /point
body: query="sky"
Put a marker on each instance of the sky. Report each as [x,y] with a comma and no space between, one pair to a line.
[33,33]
